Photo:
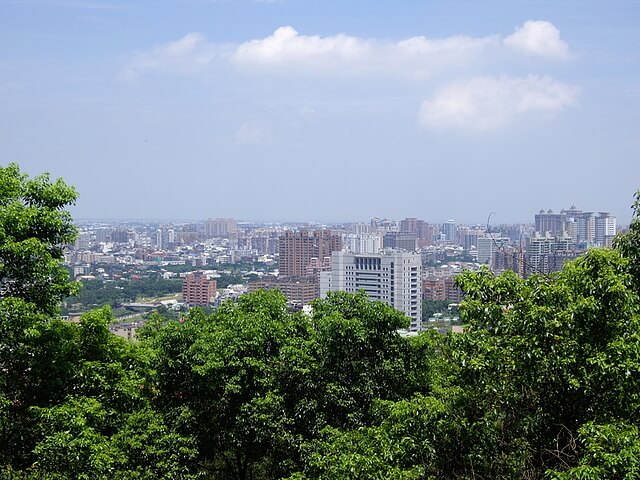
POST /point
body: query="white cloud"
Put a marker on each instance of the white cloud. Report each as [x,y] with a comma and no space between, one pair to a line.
[480,103]
[288,51]
[188,54]
[286,45]
[414,56]
[537,37]
[436,46]
[485,103]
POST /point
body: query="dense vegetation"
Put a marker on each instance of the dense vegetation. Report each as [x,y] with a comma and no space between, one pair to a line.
[97,292]
[544,383]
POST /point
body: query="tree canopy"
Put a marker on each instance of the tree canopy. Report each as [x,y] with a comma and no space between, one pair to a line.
[34,228]
[543,383]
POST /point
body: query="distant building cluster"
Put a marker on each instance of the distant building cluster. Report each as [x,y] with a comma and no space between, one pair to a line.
[402,263]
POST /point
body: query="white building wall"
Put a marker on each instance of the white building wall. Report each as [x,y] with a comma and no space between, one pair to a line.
[363,242]
[393,278]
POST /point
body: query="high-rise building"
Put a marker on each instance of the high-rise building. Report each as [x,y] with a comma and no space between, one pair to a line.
[421,229]
[83,241]
[409,225]
[426,234]
[605,229]
[220,227]
[296,249]
[488,245]
[119,235]
[547,253]
[550,222]
[392,277]
[469,237]
[400,241]
[449,231]
[102,234]
[264,243]
[163,237]
[198,289]
[509,258]
[363,242]
[584,228]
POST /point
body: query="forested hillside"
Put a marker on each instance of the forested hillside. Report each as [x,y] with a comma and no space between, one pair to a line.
[543,383]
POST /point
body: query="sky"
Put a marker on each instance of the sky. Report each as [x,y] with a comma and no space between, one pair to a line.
[325,110]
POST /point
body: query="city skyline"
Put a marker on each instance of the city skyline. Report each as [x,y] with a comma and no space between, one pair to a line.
[490,222]
[324,111]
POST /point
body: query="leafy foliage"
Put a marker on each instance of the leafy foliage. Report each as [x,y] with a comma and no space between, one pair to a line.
[34,228]
[96,293]
[543,383]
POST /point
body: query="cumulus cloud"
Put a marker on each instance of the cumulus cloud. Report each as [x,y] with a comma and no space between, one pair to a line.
[485,103]
[480,103]
[286,45]
[287,49]
[537,37]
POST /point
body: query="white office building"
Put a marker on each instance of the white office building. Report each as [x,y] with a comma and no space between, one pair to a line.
[488,246]
[362,242]
[605,229]
[392,277]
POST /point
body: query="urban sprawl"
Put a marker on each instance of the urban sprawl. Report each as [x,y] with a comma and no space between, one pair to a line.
[403,263]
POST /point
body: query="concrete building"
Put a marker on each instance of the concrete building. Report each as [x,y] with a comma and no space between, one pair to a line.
[198,289]
[299,290]
[410,225]
[296,249]
[317,265]
[449,230]
[469,237]
[441,288]
[393,278]
[83,241]
[119,235]
[550,222]
[488,246]
[407,241]
[509,258]
[584,228]
[363,242]
[547,253]
[220,227]
[165,237]
[605,229]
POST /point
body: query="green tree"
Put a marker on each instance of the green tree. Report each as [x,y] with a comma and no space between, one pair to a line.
[629,244]
[216,373]
[609,451]
[541,359]
[360,357]
[429,307]
[253,381]
[74,399]
[34,228]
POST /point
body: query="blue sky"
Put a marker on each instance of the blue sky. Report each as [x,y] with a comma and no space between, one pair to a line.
[325,110]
